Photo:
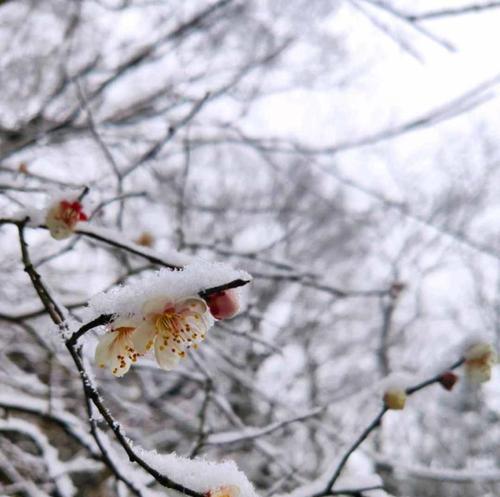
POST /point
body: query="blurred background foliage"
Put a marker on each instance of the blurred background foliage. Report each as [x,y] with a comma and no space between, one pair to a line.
[343,152]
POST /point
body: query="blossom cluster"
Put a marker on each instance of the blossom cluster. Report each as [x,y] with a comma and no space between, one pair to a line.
[478,359]
[166,312]
[170,328]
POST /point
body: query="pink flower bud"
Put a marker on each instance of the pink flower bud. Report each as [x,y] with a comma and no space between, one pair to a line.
[223,305]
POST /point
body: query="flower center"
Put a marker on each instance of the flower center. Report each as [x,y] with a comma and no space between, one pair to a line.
[71,212]
[175,332]
[170,326]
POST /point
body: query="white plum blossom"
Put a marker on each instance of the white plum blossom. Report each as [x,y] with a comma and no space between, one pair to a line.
[479,360]
[170,327]
[63,216]
[163,312]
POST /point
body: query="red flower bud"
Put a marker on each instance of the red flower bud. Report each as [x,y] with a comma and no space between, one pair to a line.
[223,305]
[448,380]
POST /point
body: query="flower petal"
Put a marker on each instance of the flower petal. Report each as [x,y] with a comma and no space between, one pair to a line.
[154,306]
[116,350]
[192,304]
[120,360]
[103,349]
[167,357]
[143,337]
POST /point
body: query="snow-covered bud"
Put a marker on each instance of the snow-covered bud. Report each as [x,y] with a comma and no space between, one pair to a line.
[62,218]
[224,305]
[395,398]
[448,380]
[224,491]
[479,360]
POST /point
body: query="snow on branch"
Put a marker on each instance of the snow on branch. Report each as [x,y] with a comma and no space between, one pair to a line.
[55,468]
[201,475]
[196,278]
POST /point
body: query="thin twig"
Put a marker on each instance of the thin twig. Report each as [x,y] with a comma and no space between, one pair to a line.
[458,11]
[375,423]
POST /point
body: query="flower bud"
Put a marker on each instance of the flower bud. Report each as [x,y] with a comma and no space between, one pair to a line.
[448,380]
[224,305]
[63,217]
[145,239]
[479,360]
[224,491]
[395,399]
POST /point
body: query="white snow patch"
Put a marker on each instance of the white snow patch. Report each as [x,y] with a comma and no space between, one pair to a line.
[199,474]
[173,285]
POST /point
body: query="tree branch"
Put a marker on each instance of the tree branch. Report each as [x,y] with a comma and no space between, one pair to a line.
[374,424]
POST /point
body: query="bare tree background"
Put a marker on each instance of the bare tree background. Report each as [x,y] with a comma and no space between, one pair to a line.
[150,105]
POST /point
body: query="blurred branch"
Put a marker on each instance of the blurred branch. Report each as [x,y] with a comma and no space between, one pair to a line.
[62,420]
[451,12]
[388,31]
[250,433]
[318,285]
[411,23]
[407,212]
[356,492]
[157,147]
[374,424]
[203,432]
